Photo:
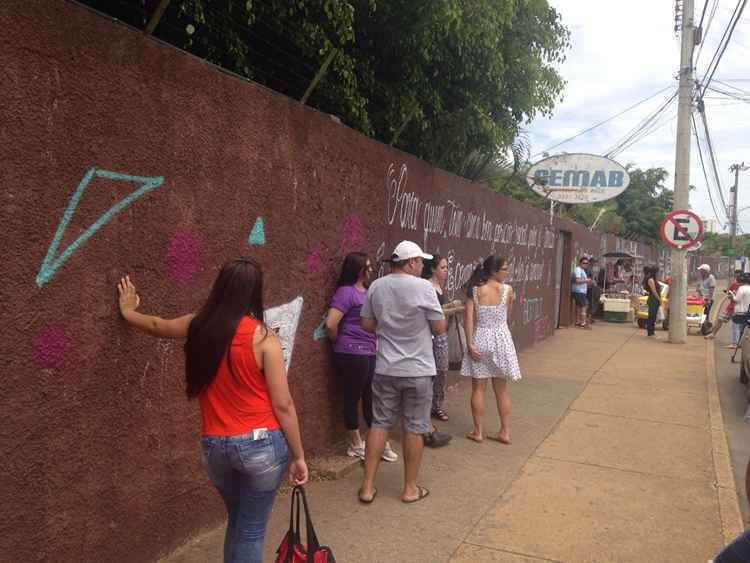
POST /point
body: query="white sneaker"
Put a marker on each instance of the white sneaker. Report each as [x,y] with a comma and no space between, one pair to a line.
[389,454]
[356,451]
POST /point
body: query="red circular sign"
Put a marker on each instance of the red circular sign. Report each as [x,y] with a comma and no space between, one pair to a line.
[681,229]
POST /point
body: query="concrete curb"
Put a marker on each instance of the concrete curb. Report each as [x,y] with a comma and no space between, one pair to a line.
[726,488]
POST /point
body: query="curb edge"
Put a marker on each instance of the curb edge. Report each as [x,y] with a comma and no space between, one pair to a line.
[726,488]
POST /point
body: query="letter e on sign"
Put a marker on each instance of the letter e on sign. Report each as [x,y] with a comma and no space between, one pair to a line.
[681,229]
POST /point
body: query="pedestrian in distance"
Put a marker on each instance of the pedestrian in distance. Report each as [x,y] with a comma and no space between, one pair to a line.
[593,293]
[726,314]
[436,272]
[491,352]
[741,313]
[706,287]
[354,349]
[402,309]
[235,368]
[652,288]
[580,286]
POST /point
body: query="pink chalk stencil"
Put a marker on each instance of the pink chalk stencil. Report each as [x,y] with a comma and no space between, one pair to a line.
[352,232]
[314,261]
[50,347]
[182,256]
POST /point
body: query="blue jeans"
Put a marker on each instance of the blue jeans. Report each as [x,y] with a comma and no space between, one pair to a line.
[736,552]
[247,474]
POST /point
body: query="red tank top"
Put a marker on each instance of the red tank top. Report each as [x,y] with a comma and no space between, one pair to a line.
[237,401]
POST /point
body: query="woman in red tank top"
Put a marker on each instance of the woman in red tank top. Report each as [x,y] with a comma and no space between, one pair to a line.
[235,368]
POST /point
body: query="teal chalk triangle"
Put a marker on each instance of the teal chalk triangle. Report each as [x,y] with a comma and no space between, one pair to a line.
[52,261]
[258,234]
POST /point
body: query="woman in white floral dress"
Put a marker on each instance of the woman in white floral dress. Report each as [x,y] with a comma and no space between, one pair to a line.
[491,353]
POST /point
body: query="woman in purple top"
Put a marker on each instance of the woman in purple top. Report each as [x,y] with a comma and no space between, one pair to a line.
[354,348]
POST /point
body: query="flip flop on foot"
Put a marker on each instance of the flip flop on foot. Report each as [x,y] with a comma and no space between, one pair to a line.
[367,500]
[475,438]
[498,438]
[422,492]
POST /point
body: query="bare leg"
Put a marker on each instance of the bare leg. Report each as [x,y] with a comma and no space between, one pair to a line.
[373,451]
[413,447]
[478,387]
[500,386]
[717,327]
[354,438]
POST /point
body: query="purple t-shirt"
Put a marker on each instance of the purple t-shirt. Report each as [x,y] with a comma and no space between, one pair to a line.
[352,338]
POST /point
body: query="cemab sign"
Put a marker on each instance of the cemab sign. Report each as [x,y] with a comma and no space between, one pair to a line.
[578,178]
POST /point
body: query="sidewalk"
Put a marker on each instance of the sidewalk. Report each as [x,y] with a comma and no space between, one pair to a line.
[619,454]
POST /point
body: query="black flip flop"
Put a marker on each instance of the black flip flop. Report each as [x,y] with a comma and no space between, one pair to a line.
[365,500]
[423,492]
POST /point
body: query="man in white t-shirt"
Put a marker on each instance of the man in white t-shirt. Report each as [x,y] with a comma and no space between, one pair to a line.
[580,286]
[402,309]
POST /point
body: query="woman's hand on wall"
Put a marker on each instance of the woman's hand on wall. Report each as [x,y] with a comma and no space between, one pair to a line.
[129,299]
[156,326]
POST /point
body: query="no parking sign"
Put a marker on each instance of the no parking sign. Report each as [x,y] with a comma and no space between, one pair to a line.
[681,229]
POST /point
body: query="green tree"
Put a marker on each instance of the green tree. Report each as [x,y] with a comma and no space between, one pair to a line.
[450,81]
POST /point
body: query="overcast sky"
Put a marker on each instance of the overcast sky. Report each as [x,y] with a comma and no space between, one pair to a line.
[623,52]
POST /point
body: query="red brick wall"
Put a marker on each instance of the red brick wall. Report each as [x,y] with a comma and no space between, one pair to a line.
[100,448]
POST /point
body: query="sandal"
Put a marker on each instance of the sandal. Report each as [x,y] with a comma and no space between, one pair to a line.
[440,414]
[367,500]
[422,492]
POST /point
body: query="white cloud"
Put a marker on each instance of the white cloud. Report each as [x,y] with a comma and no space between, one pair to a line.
[622,53]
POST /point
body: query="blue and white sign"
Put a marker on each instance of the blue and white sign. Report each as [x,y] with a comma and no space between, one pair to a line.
[578,178]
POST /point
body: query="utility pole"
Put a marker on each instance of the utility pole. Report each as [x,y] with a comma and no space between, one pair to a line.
[678,291]
[733,214]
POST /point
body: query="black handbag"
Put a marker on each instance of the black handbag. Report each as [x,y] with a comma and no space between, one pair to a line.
[292,550]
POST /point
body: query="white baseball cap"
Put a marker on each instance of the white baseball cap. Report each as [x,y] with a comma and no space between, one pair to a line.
[705,267]
[407,249]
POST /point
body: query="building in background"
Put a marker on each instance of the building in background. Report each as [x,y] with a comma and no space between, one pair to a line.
[710,225]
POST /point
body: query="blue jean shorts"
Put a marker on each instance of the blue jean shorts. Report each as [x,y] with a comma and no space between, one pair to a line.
[580,299]
[408,398]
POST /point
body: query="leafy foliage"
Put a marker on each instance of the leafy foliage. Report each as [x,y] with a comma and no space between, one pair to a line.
[450,81]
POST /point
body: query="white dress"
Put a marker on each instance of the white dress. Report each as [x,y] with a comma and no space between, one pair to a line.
[493,341]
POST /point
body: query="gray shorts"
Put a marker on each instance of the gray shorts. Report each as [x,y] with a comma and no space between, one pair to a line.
[407,397]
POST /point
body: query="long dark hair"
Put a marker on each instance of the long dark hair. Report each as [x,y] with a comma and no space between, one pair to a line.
[352,267]
[429,266]
[491,265]
[648,273]
[237,292]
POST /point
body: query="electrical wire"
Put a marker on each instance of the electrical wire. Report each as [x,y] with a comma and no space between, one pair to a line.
[746,92]
[603,122]
[716,59]
[642,126]
[712,154]
[703,13]
[705,174]
[708,26]
[653,130]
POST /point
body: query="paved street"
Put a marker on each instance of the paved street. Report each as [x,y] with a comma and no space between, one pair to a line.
[733,405]
[617,452]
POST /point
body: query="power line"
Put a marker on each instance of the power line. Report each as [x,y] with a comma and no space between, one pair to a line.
[703,13]
[705,174]
[652,130]
[603,122]
[642,126]
[732,95]
[712,153]
[736,15]
[746,92]
[708,26]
